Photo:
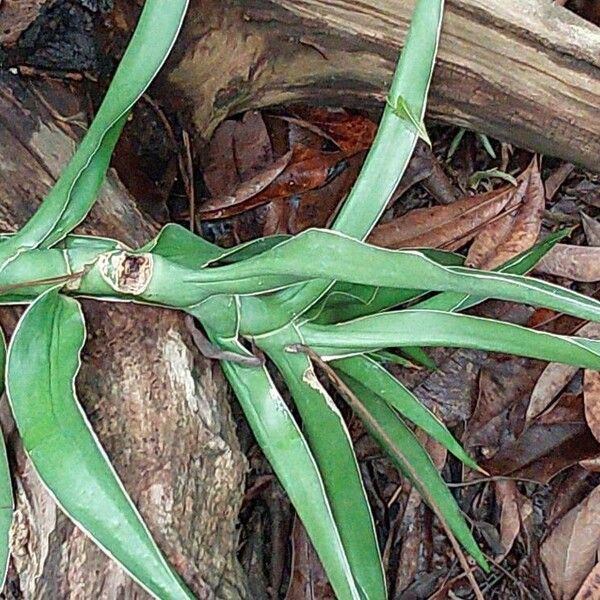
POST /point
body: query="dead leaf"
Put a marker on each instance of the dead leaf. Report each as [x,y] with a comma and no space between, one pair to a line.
[307,169]
[510,518]
[591,395]
[557,178]
[551,382]
[452,226]
[578,263]
[556,376]
[223,206]
[569,553]
[591,227]
[505,383]
[554,442]
[351,132]
[308,580]
[238,151]
[515,232]
[590,590]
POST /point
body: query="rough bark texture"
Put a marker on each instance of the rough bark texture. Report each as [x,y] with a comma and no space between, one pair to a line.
[160,410]
[524,72]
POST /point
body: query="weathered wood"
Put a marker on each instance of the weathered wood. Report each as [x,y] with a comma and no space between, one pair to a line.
[160,410]
[524,72]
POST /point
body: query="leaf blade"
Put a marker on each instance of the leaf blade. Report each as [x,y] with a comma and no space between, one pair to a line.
[43,361]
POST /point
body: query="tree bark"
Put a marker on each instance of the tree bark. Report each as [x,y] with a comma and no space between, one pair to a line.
[524,72]
[160,410]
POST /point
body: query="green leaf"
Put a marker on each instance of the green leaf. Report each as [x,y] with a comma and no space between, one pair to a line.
[395,394]
[289,454]
[336,256]
[75,192]
[521,264]
[6,496]
[436,328]
[43,361]
[331,445]
[406,452]
[479,176]
[401,109]
[389,155]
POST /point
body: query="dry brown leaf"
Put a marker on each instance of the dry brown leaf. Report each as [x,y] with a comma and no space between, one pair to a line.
[569,552]
[307,169]
[515,232]
[453,225]
[555,377]
[579,263]
[591,395]
[551,382]
[449,226]
[510,518]
[590,590]
[591,227]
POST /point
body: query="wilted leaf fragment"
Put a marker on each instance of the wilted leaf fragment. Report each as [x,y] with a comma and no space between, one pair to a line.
[569,552]
[43,361]
[579,263]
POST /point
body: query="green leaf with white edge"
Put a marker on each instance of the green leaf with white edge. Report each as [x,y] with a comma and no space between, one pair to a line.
[444,329]
[520,265]
[43,361]
[331,445]
[288,452]
[347,301]
[182,247]
[401,109]
[333,255]
[6,496]
[395,394]
[406,452]
[75,192]
[390,152]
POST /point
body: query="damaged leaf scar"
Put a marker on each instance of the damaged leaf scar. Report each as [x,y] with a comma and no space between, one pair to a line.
[125,272]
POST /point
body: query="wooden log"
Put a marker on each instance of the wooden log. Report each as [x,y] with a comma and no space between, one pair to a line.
[524,72]
[160,410]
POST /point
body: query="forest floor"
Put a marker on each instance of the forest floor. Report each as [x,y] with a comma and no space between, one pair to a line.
[535,427]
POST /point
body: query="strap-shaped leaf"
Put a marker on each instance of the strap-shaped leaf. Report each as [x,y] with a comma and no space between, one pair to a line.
[452,301]
[401,445]
[71,198]
[335,256]
[289,454]
[348,301]
[391,150]
[331,445]
[375,378]
[436,328]
[43,361]
[6,495]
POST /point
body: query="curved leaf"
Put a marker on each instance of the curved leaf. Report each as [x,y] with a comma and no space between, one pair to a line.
[436,328]
[331,445]
[391,150]
[375,378]
[71,198]
[287,451]
[43,361]
[406,452]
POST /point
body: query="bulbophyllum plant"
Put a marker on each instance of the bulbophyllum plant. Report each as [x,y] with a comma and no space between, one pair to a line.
[320,301]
